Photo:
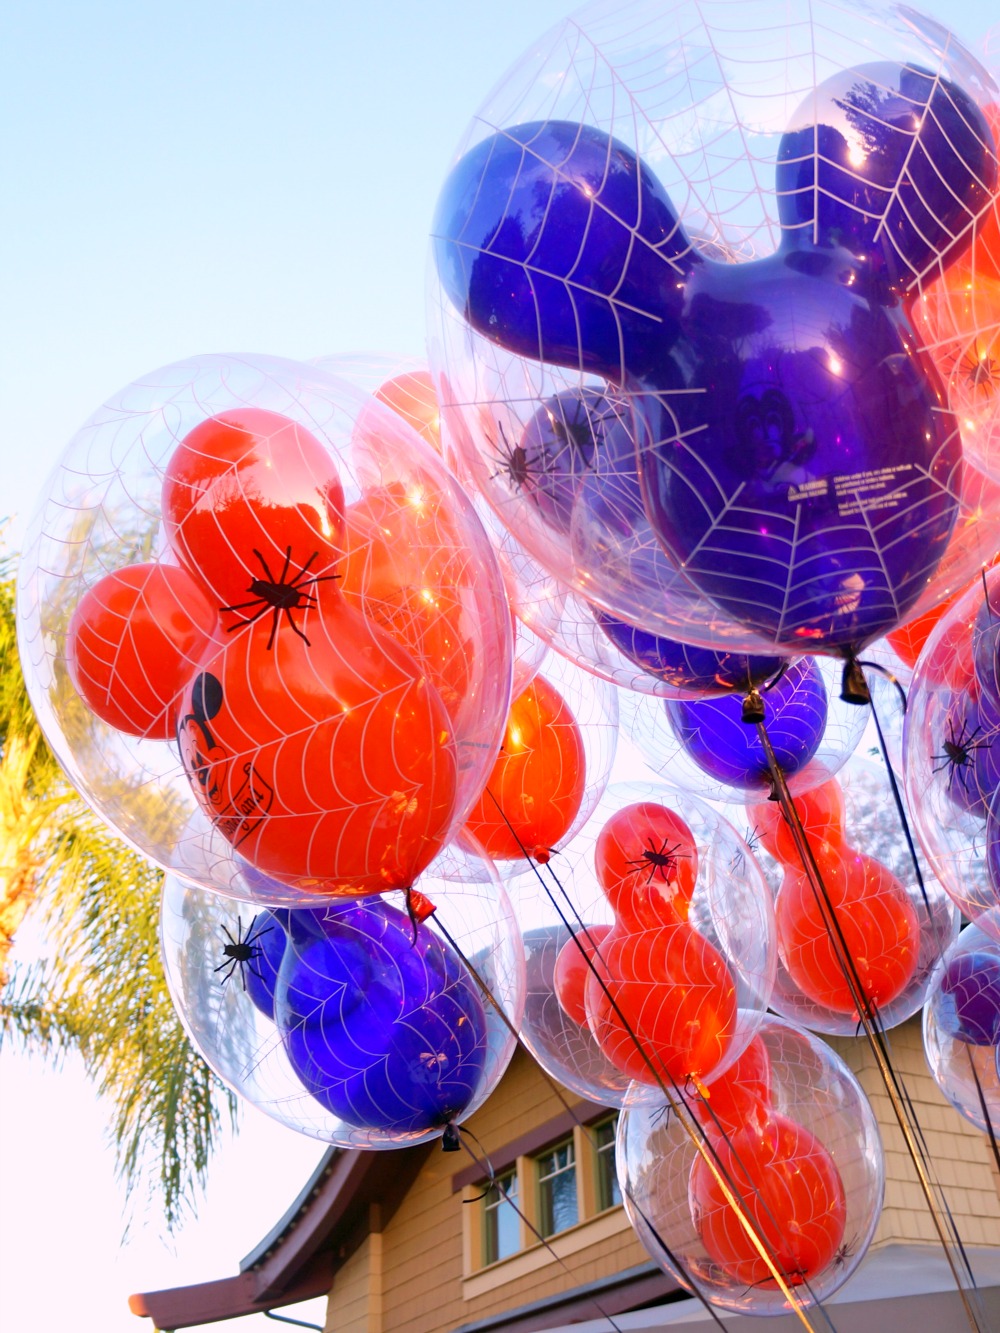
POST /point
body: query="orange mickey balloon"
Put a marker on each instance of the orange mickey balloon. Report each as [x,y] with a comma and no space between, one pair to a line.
[133,642]
[253,507]
[875,916]
[407,568]
[662,997]
[536,786]
[820,811]
[320,752]
[787,1185]
[647,853]
[574,963]
[412,396]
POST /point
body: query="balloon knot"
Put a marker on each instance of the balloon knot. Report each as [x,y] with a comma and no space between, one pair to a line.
[753,708]
[853,686]
[450,1141]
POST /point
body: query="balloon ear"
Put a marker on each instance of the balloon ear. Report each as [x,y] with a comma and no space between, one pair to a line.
[554,241]
[891,162]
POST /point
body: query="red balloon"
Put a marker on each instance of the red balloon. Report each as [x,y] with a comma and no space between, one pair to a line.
[666,991]
[788,1186]
[574,963]
[647,861]
[820,810]
[536,787]
[133,642]
[740,1096]
[413,397]
[874,915]
[253,507]
[323,756]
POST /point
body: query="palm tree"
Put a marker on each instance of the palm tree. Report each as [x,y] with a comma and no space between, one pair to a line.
[100,990]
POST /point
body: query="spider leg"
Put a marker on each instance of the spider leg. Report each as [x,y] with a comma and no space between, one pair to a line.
[251,938]
[231,965]
[239,930]
[286,565]
[243,606]
[228,936]
[252,620]
[295,581]
[295,627]
[274,627]
[270,576]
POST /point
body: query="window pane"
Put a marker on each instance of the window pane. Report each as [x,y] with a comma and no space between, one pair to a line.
[557,1189]
[608,1191]
[502,1225]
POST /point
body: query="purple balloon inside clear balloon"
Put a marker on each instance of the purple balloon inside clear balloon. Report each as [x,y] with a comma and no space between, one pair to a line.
[384,1030]
[684,666]
[713,733]
[267,938]
[803,473]
[969,1006]
[970,750]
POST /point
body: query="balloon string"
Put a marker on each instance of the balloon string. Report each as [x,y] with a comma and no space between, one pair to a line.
[991,1133]
[898,801]
[694,1130]
[912,1134]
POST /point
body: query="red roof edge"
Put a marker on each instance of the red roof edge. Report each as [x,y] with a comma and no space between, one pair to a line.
[297,1259]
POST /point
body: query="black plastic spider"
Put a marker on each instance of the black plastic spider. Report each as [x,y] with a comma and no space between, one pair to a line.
[958,750]
[242,952]
[515,461]
[980,371]
[752,840]
[663,859]
[281,594]
[845,1252]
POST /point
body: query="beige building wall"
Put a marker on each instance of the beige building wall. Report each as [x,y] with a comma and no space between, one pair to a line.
[418,1275]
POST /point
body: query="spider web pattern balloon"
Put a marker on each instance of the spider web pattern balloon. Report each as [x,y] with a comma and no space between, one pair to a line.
[951,756]
[702,903]
[240,475]
[801,1147]
[962,1024]
[334,1021]
[777,476]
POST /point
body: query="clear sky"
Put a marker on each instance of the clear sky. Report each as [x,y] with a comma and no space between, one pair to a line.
[180,177]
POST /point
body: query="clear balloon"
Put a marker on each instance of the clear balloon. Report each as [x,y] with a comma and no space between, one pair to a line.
[198,552]
[789,1127]
[776,447]
[350,1022]
[962,1025]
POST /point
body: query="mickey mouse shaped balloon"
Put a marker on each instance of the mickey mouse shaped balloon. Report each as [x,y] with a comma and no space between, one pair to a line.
[796,458]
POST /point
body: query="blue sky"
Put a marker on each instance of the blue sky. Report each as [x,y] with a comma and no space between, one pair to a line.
[185,177]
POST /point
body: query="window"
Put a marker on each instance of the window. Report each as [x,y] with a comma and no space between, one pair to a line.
[608,1191]
[501,1224]
[557,1201]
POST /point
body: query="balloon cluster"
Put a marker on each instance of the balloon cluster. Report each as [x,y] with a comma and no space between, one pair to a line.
[289,629]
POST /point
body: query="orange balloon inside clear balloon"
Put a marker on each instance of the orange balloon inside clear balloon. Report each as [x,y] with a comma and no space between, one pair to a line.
[661,1003]
[134,640]
[788,1186]
[574,964]
[412,396]
[820,811]
[407,568]
[646,854]
[253,509]
[909,639]
[321,754]
[536,787]
[740,1096]
[875,916]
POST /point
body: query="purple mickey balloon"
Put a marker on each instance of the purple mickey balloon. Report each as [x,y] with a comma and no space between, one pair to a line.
[385,1030]
[713,733]
[969,1005]
[802,473]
